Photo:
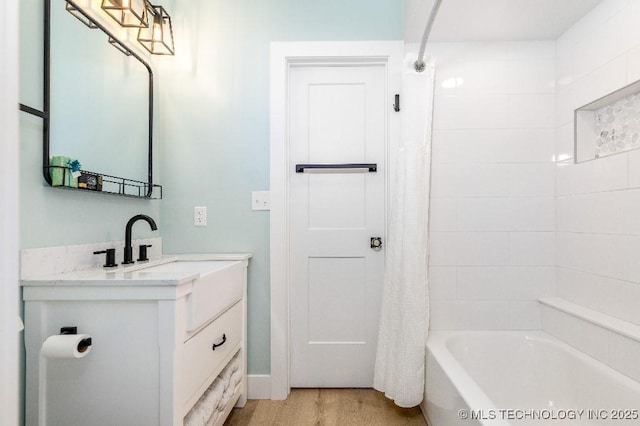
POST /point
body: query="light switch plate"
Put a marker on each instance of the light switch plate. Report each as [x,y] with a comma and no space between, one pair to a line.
[260,200]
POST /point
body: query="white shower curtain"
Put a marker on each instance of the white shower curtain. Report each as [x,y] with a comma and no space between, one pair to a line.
[404,321]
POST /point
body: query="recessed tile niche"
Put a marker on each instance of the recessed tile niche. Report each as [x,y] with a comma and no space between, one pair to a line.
[609,125]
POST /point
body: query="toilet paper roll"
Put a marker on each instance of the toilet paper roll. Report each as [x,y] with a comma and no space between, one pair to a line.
[67,346]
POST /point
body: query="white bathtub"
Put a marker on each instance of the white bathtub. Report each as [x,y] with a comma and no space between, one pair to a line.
[522,378]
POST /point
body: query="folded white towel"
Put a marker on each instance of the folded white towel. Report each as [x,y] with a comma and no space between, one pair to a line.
[236,378]
[214,418]
[235,363]
[195,417]
[214,400]
[213,396]
[226,397]
[206,406]
[225,375]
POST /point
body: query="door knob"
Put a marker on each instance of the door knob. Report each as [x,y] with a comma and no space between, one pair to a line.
[376,243]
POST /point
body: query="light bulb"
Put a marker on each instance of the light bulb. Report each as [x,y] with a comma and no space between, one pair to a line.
[157,31]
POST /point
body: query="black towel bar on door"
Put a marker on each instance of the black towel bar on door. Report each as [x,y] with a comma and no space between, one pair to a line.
[365,167]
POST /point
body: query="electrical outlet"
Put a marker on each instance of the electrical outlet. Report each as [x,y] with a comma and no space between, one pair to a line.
[260,200]
[200,216]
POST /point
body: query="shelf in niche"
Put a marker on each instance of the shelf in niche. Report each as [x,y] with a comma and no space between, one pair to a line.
[609,125]
[112,185]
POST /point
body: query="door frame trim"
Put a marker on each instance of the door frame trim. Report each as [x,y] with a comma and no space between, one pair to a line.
[284,56]
[10,183]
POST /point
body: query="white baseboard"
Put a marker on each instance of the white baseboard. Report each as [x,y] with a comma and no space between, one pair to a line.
[259,386]
[423,410]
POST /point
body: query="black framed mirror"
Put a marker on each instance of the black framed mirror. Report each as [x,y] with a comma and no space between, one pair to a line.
[98,107]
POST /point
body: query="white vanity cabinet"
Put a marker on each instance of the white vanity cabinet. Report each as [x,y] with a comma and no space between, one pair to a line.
[152,356]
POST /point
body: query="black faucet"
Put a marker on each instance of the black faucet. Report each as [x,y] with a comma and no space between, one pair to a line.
[128,250]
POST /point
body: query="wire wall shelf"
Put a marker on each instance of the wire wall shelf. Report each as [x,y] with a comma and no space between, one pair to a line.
[100,183]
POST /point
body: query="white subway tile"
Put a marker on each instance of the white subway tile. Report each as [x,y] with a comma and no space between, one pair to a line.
[633,266]
[566,256]
[502,214]
[505,283]
[527,50]
[625,354]
[564,179]
[525,315]
[613,297]
[471,112]
[605,255]
[603,80]
[604,174]
[571,214]
[580,334]
[564,63]
[529,75]
[532,248]
[564,142]
[470,180]
[443,146]
[482,248]
[482,77]
[564,104]
[633,64]
[529,145]
[446,72]
[611,173]
[493,145]
[532,214]
[634,168]
[469,146]
[484,214]
[443,249]
[464,315]
[583,29]
[591,53]
[532,111]
[446,53]
[614,212]
[444,180]
[580,178]
[532,180]
[483,180]
[443,214]
[442,282]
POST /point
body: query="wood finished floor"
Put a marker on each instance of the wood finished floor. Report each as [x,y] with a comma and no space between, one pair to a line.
[326,407]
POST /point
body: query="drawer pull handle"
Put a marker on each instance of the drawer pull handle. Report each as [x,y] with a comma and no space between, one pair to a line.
[215,345]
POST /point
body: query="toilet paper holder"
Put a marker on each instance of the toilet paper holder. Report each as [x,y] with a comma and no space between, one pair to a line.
[83,344]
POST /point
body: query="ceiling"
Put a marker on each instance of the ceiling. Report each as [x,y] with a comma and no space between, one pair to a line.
[494,20]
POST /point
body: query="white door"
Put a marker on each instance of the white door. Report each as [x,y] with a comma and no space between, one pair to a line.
[337,115]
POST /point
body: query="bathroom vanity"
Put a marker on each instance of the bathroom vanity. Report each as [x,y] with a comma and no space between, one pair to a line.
[162,333]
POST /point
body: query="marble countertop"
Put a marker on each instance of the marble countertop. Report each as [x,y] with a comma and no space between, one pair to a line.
[139,274]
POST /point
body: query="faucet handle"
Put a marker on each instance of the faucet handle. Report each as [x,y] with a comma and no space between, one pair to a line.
[142,255]
[110,258]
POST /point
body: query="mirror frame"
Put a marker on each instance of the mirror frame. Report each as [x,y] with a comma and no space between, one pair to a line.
[46,115]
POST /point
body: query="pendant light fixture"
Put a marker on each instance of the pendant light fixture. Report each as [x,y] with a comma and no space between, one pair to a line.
[73,9]
[157,36]
[128,13]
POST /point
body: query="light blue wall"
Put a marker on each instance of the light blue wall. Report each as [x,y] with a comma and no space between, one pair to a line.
[214,122]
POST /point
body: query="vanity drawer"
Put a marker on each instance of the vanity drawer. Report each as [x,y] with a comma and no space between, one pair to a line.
[200,361]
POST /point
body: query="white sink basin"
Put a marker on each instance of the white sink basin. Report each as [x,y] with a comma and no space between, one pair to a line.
[217,287]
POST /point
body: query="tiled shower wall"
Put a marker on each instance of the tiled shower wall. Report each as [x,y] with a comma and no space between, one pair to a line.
[492,220]
[598,202]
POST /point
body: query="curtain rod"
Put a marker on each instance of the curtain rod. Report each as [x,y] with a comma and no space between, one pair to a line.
[419,64]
